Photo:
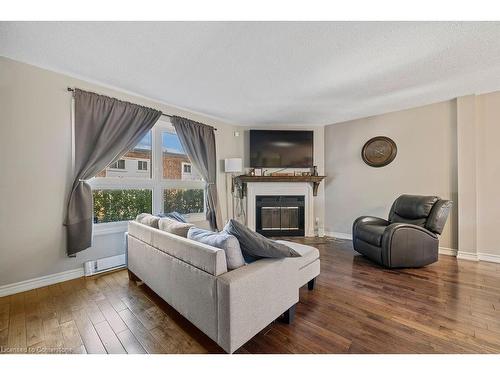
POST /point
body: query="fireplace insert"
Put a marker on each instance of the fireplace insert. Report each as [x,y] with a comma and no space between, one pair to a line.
[279,215]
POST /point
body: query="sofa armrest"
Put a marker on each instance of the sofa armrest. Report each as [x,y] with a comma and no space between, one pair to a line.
[367,220]
[251,297]
[408,245]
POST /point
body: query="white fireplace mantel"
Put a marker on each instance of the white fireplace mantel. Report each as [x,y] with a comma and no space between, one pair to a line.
[281,188]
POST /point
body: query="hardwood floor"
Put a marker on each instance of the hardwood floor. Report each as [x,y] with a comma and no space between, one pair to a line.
[356,307]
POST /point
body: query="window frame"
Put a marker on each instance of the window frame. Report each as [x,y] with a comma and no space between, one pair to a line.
[156,183]
[142,165]
[118,168]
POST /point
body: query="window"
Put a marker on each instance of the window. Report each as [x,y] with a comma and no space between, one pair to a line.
[185,201]
[176,164]
[120,164]
[142,165]
[156,177]
[118,205]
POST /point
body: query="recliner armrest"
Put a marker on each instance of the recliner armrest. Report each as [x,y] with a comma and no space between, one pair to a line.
[392,228]
[408,245]
[368,220]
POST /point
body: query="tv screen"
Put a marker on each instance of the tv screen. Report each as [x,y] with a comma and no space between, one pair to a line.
[281,149]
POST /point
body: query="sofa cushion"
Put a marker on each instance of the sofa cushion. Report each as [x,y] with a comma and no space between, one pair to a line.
[148,219]
[256,245]
[174,226]
[308,254]
[175,216]
[221,240]
[371,233]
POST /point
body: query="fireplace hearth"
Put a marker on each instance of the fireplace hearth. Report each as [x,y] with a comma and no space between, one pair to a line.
[279,215]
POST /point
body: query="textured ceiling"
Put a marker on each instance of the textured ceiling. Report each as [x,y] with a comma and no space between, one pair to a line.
[269,73]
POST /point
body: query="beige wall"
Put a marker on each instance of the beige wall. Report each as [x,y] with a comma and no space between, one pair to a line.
[488,174]
[467,148]
[35,170]
[425,164]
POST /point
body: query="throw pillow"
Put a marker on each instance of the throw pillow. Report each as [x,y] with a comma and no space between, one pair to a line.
[175,216]
[256,245]
[174,226]
[148,219]
[221,240]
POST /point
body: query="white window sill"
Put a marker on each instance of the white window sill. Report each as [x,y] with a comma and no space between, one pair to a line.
[110,228]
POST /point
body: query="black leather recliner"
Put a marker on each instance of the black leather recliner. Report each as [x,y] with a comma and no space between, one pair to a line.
[409,238]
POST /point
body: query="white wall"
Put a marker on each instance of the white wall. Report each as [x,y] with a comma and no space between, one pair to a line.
[425,164]
[35,170]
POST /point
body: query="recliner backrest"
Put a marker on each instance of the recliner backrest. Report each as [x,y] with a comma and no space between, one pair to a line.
[412,209]
[439,214]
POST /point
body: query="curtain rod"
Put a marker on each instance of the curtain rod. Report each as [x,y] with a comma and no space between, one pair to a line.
[162,114]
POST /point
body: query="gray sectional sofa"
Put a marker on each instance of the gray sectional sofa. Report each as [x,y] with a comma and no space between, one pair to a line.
[229,306]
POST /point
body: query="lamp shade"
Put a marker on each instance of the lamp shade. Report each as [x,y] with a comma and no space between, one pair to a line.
[233,165]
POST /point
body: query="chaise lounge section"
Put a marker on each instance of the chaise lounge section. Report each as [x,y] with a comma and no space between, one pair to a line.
[228,306]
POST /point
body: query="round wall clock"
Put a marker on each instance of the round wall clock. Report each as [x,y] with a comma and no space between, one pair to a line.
[379,151]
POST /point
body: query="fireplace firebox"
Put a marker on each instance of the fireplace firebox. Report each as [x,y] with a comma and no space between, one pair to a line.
[279,215]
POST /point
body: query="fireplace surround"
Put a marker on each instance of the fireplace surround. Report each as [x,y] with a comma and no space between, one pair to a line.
[278,189]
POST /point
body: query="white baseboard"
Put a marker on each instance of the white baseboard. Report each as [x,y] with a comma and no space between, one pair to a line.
[466,255]
[38,282]
[342,236]
[485,257]
[489,257]
[447,251]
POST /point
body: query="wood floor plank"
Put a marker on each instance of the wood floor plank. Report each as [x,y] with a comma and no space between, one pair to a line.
[139,307]
[17,331]
[4,337]
[79,350]
[71,336]
[109,338]
[4,316]
[53,337]
[34,329]
[4,300]
[94,313]
[111,316]
[34,322]
[88,333]
[142,335]
[130,343]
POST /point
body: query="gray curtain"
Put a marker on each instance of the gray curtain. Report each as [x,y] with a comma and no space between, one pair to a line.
[105,129]
[198,140]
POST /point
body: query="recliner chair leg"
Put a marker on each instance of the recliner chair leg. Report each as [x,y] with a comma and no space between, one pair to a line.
[310,284]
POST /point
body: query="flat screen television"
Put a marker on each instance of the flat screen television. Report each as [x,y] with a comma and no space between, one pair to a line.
[281,149]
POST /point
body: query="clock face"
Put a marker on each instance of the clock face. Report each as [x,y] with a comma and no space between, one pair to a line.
[379,151]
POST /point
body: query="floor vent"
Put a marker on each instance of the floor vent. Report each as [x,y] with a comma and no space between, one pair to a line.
[93,267]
